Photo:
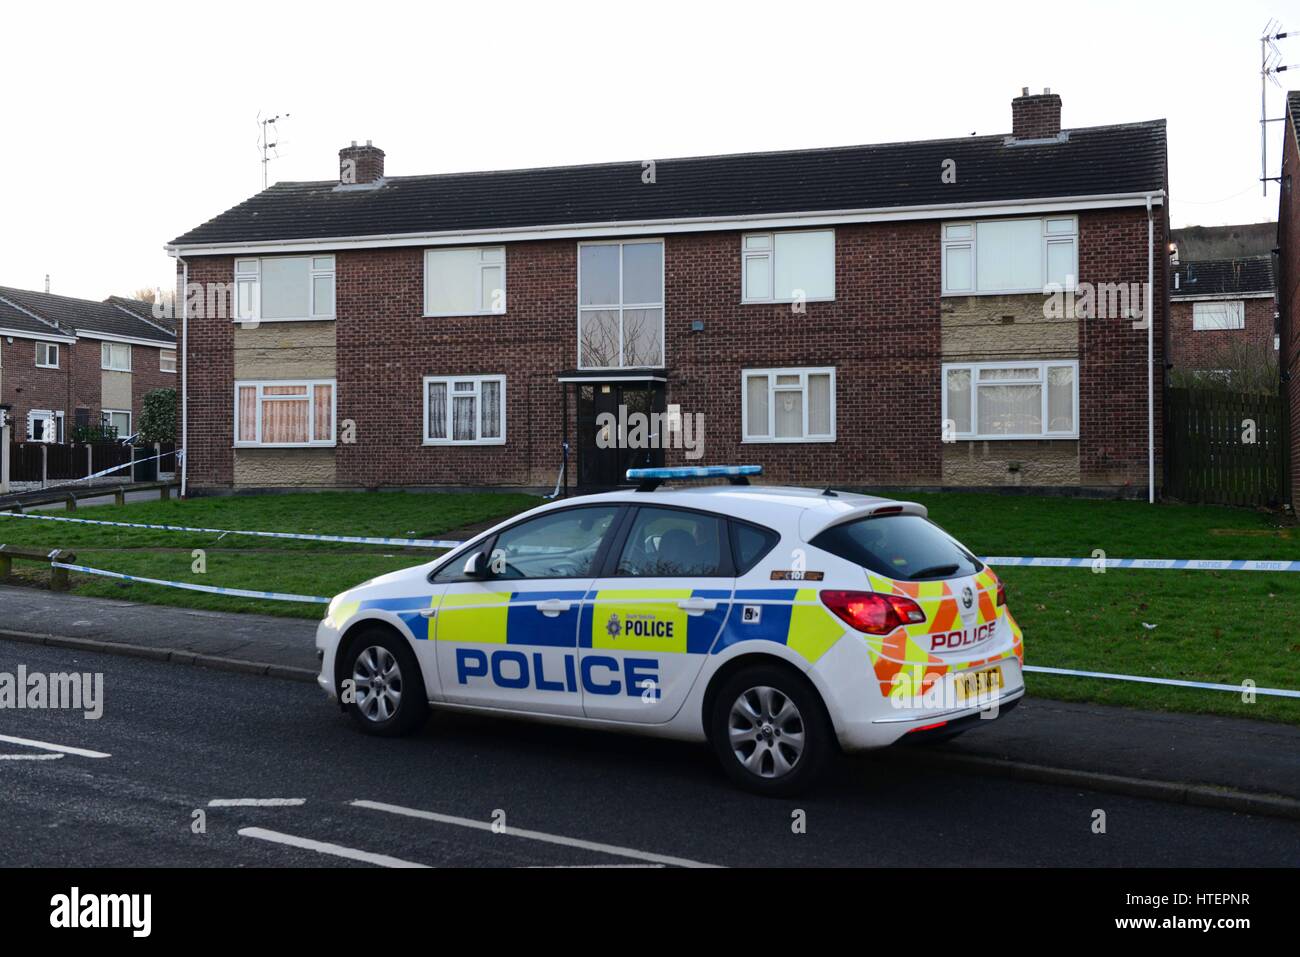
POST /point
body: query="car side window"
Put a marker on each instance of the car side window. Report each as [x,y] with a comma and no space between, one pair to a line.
[751,543]
[666,542]
[555,545]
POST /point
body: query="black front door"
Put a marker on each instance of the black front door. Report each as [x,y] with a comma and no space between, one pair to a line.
[609,442]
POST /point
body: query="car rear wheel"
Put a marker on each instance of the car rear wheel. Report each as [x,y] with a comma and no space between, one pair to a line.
[770,731]
[387,690]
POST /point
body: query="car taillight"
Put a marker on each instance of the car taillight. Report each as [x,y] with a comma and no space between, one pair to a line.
[872,612]
[1002,594]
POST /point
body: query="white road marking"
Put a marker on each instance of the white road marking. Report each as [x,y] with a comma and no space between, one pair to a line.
[257,802]
[60,748]
[323,847]
[533,835]
[30,757]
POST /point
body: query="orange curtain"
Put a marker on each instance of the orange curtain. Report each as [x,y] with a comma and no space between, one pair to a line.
[284,420]
[324,401]
[248,413]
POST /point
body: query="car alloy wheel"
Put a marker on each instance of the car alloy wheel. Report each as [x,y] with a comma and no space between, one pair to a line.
[766,732]
[377,677]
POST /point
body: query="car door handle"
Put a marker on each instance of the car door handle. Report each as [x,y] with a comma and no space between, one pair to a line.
[428,612]
[697,606]
[553,606]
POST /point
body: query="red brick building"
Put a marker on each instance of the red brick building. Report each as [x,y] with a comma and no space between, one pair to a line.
[66,362]
[1288,223]
[950,313]
[1221,313]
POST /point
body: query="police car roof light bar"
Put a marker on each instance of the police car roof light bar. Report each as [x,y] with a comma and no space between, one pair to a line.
[650,479]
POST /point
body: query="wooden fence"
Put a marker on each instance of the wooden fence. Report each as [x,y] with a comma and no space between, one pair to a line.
[1223,447]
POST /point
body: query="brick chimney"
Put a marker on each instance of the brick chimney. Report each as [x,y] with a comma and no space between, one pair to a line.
[359,165]
[1036,116]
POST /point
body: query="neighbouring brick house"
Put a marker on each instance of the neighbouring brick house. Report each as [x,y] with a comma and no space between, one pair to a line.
[835,315]
[66,362]
[1288,221]
[1221,312]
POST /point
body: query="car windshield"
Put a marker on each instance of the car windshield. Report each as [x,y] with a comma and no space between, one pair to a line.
[906,547]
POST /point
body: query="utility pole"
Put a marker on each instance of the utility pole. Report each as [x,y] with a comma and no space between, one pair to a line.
[1269,68]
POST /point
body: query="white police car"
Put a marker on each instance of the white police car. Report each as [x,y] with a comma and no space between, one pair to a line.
[774,623]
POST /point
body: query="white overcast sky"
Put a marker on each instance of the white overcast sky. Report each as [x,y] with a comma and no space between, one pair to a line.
[125,124]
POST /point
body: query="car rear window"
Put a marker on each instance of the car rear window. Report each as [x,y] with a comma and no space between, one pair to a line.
[906,547]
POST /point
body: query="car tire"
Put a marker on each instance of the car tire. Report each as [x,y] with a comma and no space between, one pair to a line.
[388,697]
[770,731]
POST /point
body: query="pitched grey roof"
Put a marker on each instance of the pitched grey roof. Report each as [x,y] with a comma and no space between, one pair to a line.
[1221,277]
[1127,158]
[15,318]
[71,314]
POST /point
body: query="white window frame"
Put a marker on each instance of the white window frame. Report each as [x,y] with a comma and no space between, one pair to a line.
[768,252]
[55,419]
[772,388]
[108,413]
[484,309]
[46,347]
[1049,237]
[1236,312]
[106,354]
[1042,366]
[311,418]
[621,307]
[162,353]
[449,381]
[248,272]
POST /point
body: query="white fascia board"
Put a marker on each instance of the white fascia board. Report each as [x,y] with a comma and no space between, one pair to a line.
[131,340]
[37,336]
[1217,297]
[887,214]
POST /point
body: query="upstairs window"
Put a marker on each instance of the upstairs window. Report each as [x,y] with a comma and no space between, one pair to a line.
[47,355]
[621,305]
[284,414]
[788,267]
[465,410]
[1012,400]
[1225,314]
[115,356]
[465,282]
[1010,255]
[284,289]
[166,360]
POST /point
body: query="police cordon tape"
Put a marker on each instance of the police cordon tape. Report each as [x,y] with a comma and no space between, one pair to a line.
[189,586]
[317,600]
[350,539]
[1176,564]
[109,471]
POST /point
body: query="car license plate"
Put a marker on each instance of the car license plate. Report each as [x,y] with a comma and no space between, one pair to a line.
[976,684]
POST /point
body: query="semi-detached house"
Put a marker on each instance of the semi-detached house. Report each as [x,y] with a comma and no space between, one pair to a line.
[889,315]
[66,362]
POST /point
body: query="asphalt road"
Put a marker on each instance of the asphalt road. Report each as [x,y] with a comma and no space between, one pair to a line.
[179,737]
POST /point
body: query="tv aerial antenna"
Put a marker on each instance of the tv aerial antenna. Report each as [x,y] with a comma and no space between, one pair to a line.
[1270,65]
[269,140]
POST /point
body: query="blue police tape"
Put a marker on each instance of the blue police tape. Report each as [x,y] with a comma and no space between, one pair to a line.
[210,589]
[351,539]
[1175,682]
[1180,564]
[475,663]
[1177,564]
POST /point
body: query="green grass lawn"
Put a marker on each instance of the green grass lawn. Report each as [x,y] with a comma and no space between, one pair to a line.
[1209,626]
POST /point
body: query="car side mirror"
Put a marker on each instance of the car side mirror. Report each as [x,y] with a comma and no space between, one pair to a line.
[476,566]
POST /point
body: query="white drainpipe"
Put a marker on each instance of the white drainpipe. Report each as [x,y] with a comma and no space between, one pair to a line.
[1151,356]
[185,384]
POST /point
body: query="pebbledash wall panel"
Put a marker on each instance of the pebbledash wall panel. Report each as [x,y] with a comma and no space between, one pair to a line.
[884,333]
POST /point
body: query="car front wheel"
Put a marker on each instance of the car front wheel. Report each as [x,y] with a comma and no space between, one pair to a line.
[770,731]
[387,691]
